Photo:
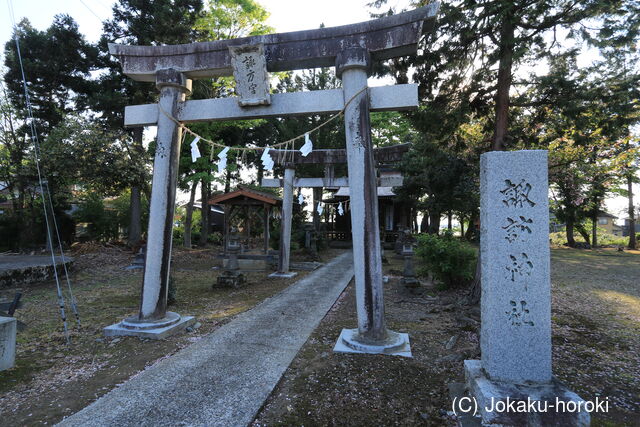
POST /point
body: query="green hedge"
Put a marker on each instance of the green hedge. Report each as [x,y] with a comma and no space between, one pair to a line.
[449,260]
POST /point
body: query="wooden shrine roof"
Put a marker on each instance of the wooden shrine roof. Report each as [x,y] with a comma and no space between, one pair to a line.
[247,195]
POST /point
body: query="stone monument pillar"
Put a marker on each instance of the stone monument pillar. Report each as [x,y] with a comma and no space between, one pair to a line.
[515,336]
[8,329]
[153,320]
[285,224]
[371,336]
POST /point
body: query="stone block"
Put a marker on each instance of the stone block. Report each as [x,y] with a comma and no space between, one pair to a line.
[503,403]
[172,324]
[516,293]
[287,275]
[7,342]
[396,345]
[229,280]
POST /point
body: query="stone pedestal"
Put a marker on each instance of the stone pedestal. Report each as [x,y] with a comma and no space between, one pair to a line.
[170,324]
[395,344]
[515,335]
[7,342]
[547,404]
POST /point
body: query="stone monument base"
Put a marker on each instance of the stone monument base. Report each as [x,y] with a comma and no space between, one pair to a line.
[410,282]
[288,275]
[157,330]
[549,404]
[229,280]
[8,328]
[396,345]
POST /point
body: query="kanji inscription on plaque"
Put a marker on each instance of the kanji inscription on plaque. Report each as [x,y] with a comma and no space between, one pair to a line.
[250,73]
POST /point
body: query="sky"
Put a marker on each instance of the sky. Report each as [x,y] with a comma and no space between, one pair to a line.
[285,15]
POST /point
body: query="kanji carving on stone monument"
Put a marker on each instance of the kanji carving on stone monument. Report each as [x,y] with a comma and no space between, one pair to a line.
[250,73]
[520,267]
[517,228]
[517,194]
[519,314]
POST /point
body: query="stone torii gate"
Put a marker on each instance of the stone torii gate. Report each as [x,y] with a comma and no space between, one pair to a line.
[329,158]
[351,49]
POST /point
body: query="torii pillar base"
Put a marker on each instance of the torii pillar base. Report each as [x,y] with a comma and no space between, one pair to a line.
[171,324]
[396,344]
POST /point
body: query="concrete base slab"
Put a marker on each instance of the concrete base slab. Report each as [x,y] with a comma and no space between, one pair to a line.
[288,275]
[27,269]
[172,324]
[533,405]
[397,344]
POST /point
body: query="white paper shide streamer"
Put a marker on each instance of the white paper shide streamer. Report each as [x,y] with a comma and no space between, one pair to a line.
[340,209]
[267,161]
[195,152]
[307,147]
[222,156]
[320,208]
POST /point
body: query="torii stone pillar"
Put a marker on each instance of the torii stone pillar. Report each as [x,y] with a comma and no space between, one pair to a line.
[285,224]
[371,336]
[153,320]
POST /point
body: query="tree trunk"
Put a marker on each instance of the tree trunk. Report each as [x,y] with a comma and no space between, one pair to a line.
[424,224]
[471,229]
[189,216]
[204,227]
[476,285]
[594,231]
[434,222]
[461,227]
[507,41]
[449,221]
[571,241]
[583,233]
[135,218]
[227,180]
[632,215]
[260,173]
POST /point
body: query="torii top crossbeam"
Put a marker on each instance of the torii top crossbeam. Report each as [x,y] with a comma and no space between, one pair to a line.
[383,38]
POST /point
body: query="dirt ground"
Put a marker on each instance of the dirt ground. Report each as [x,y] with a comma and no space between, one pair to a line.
[596,342]
[52,380]
[596,320]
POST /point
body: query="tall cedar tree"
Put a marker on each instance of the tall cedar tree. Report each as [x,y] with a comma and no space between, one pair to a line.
[138,22]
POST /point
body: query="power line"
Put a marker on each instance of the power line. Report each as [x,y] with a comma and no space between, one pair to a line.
[44,189]
[90,10]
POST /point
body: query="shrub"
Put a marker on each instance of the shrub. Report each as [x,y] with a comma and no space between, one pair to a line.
[449,260]
[102,223]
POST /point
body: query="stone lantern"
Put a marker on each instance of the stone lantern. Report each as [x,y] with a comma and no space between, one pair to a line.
[231,276]
[408,274]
